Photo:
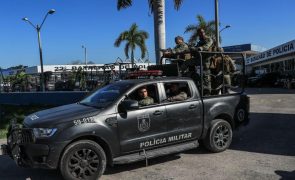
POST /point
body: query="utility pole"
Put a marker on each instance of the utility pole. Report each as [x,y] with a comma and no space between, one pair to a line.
[216,24]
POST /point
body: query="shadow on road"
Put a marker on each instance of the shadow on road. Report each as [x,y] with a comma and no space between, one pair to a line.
[267,133]
[286,175]
[141,164]
[252,91]
[10,171]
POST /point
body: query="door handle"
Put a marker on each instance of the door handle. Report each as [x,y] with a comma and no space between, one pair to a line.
[158,112]
[192,106]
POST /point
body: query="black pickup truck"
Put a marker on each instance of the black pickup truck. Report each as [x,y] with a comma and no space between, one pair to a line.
[110,127]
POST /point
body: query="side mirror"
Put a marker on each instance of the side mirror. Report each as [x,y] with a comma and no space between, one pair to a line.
[129,104]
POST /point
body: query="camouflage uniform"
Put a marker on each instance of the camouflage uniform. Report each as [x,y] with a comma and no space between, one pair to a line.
[179,97]
[146,101]
[223,64]
[177,51]
[203,45]
[180,48]
[229,67]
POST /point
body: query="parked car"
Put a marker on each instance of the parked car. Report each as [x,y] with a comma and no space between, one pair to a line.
[264,80]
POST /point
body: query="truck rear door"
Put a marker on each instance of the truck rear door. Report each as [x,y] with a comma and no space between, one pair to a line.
[184,116]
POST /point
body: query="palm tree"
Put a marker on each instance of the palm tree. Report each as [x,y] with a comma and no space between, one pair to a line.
[2,80]
[80,77]
[133,38]
[19,81]
[47,75]
[157,7]
[209,28]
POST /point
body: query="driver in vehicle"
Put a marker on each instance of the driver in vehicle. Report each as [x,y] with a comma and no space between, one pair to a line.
[144,99]
[175,94]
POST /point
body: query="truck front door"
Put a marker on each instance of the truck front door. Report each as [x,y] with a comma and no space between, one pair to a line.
[145,127]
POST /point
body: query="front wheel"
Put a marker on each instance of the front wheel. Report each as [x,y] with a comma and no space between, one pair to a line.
[219,136]
[83,159]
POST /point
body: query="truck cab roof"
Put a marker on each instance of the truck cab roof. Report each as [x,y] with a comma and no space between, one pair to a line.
[158,79]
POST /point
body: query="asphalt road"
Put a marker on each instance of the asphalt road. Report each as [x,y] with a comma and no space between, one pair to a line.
[265,149]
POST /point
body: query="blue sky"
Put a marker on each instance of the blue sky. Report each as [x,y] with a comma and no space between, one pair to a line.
[97,23]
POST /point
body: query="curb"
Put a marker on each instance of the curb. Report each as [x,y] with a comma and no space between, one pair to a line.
[3,141]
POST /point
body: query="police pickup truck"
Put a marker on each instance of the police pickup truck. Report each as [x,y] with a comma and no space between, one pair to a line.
[109,126]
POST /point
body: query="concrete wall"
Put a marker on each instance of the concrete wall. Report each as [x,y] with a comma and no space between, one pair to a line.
[41,98]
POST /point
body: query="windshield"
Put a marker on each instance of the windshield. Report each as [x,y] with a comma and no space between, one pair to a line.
[106,95]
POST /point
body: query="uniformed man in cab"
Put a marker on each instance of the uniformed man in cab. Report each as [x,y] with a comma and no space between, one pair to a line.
[144,99]
[175,94]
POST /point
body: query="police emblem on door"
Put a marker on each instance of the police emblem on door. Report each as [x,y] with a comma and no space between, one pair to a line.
[144,123]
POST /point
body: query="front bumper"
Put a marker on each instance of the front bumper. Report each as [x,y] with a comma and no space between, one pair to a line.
[27,151]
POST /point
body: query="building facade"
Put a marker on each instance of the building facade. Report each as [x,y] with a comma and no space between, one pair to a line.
[65,77]
[247,49]
[94,68]
[279,59]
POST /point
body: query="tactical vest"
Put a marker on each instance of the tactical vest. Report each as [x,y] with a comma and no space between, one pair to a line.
[216,64]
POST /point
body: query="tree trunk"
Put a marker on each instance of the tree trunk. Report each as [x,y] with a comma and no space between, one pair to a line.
[132,57]
[159,28]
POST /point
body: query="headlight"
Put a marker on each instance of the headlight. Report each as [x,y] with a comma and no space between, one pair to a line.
[44,132]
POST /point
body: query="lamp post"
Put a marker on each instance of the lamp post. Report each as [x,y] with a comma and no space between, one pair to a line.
[85,54]
[227,26]
[38,29]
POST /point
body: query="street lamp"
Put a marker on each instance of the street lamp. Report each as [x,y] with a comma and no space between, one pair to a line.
[227,26]
[85,54]
[38,29]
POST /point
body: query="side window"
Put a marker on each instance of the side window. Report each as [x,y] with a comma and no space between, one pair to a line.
[177,91]
[145,95]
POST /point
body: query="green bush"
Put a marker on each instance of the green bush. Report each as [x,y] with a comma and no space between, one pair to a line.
[9,112]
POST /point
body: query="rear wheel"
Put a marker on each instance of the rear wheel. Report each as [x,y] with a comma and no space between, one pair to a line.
[241,114]
[83,159]
[219,136]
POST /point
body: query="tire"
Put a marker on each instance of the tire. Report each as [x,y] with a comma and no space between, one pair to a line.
[241,114]
[219,136]
[83,159]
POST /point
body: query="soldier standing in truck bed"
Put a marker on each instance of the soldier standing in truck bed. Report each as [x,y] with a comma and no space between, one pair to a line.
[221,65]
[205,43]
[180,47]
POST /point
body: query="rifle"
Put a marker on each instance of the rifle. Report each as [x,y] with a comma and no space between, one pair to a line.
[165,50]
